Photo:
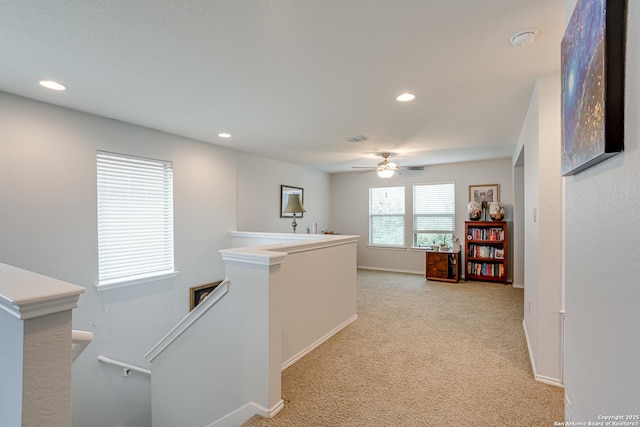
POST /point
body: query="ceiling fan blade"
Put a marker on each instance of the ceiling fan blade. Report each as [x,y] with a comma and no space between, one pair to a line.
[412,168]
[363,167]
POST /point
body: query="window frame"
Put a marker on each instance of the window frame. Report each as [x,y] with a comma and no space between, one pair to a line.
[134,201]
[402,245]
[415,232]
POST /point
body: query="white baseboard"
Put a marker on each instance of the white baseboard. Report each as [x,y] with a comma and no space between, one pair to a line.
[547,380]
[518,285]
[540,378]
[309,349]
[391,270]
[242,414]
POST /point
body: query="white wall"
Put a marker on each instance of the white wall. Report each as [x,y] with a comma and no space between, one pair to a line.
[518,219]
[48,225]
[549,217]
[350,205]
[259,181]
[528,142]
[325,303]
[602,269]
[11,369]
[540,139]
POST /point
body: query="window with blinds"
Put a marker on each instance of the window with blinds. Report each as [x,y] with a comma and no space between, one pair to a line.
[135,219]
[433,214]
[386,216]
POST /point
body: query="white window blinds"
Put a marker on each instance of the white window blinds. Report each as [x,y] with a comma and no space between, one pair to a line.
[386,216]
[434,208]
[135,219]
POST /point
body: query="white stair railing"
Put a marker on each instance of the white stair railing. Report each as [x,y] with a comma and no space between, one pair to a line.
[126,367]
[79,341]
[216,295]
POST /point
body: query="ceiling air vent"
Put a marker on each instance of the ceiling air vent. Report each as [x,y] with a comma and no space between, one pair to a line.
[357,138]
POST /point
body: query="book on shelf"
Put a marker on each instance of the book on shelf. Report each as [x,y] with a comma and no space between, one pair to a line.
[491,234]
[479,251]
[485,269]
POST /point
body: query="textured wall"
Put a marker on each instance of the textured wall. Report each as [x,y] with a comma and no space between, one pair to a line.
[12,333]
[47,370]
[602,292]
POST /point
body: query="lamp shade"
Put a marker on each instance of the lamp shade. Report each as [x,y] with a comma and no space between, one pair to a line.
[294,205]
[386,173]
[387,169]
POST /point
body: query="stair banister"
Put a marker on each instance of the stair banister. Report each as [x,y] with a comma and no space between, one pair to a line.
[35,355]
[126,367]
[79,341]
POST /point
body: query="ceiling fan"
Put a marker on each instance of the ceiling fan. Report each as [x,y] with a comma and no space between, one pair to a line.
[387,169]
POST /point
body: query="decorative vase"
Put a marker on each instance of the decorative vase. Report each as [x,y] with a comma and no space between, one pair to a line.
[475,210]
[496,211]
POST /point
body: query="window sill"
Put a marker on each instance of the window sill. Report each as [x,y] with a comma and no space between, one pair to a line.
[391,248]
[136,281]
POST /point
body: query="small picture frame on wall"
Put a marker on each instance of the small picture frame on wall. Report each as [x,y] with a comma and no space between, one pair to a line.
[484,193]
[285,191]
[197,294]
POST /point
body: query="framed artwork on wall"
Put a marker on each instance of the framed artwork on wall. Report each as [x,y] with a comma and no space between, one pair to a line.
[484,193]
[285,191]
[197,294]
[592,74]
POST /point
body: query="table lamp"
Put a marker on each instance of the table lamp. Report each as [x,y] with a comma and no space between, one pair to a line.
[293,207]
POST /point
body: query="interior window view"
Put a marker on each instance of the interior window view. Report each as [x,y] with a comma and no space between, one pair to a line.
[321,214]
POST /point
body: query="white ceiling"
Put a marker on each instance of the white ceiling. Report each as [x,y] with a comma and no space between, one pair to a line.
[292,79]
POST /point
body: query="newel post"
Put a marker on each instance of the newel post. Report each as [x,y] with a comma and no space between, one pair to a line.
[259,273]
[35,355]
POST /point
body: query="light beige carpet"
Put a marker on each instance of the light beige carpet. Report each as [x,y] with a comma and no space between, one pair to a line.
[421,353]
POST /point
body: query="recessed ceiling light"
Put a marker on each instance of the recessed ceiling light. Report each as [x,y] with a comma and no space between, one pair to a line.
[406,97]
[50,84]
[224,135]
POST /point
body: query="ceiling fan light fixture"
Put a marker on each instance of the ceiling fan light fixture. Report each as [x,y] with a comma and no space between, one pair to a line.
[406,97]
[386,169]
[385,173]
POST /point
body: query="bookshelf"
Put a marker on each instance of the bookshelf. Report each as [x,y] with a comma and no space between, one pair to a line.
[486,251]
